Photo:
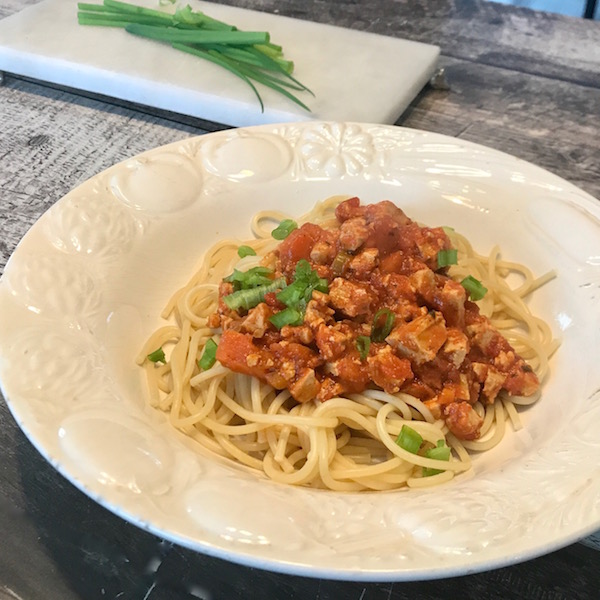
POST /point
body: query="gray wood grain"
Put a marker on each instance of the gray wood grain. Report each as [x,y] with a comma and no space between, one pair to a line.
[551,123]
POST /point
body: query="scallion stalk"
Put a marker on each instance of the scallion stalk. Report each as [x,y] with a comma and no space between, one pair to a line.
[250,56]
[209,355]
[287,316]
[249,298]
[363,345]
[284,229]
[199,37]
[157,356]
[339,262]
[220,60]
[244,251]
[196,18]
[408,439]
[474,288]
[251,278]
[440,452]
[381,330]
[298,294]
[133,9]
[447,257]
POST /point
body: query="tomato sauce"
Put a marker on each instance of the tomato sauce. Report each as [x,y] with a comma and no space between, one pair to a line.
[379,267]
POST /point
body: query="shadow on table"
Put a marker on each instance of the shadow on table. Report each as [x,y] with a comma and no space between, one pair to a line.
[100,556]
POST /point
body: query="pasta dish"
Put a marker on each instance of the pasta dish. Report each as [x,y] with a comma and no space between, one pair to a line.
[350,349]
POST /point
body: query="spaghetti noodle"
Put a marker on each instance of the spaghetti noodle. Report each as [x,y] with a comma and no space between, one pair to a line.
[350,437]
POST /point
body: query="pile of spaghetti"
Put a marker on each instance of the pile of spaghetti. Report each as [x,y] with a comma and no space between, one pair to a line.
[352,349]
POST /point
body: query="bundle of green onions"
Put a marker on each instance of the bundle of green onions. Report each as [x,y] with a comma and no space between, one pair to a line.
[250,55]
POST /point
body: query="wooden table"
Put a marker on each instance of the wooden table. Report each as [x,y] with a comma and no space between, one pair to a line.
[523,82]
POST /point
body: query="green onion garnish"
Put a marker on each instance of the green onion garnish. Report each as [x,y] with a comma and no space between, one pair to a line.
[249,55]
[244,280]
[249,298]
[363,343]
[474,288]
[448,257]
[157,356]
[440,452]
[298,294]
[294,294]
[287,316]
[284,229]
[408,439]
[381,331]
[244,251]
[209,356]
[339,263]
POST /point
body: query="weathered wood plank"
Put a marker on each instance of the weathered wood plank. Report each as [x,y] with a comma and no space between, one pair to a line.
[52,140]
[553,124]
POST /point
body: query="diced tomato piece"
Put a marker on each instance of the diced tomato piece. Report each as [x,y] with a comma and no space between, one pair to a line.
[238,352]
[301,356]
[348,209]
[298,245]
[389,371]
[402,263]
[350,372]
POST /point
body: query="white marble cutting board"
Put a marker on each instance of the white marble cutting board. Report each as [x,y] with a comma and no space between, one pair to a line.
[356,76]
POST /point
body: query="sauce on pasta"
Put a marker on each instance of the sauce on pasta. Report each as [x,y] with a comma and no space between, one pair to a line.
[350,353]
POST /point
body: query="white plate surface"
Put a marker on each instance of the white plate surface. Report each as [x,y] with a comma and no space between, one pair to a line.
[85,286]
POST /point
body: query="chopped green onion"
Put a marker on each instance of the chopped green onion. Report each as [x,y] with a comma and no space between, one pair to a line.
[299,293]
[209,356]
[380,332]
[294,294]
[339,263]
[408,439]
[474,288]
[448,257]
[363,344]
[284,229]
[246,251]
[303,270]
[157,356]
[287,316]
[447,229]
[440,452]
[249,298]
[243,280]
[322,285]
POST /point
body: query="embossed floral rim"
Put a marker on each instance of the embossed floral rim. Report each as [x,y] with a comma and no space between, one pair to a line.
[88,281]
